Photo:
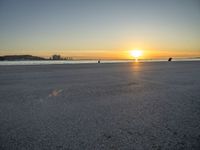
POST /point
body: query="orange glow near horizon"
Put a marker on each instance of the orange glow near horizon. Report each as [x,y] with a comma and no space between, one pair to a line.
[111,54]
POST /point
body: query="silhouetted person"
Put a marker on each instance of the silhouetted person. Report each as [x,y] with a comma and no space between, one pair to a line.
[170,59]
[99,61]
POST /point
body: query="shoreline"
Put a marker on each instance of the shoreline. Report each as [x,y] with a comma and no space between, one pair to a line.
[68,62]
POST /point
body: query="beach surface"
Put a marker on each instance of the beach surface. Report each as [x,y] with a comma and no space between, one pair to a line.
[137,106]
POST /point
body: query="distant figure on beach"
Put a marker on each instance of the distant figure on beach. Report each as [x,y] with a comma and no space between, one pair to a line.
[99,61]
[170,59]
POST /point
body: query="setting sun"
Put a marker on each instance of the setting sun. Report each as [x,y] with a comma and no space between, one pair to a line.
[136,53]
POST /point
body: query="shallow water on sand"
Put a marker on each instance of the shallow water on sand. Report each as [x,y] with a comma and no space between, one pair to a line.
[138,106]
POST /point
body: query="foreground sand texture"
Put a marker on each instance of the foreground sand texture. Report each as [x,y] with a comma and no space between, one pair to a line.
[100,106]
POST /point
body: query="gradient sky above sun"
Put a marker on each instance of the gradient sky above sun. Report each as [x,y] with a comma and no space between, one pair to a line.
[100,28]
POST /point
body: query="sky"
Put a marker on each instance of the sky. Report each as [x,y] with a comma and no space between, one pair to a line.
[107,29]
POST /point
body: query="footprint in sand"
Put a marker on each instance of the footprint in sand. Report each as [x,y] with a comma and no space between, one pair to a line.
[55,93]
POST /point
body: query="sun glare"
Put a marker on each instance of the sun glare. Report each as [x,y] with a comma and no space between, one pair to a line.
[136,53]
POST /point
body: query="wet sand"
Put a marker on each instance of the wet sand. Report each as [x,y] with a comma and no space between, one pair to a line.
[137,106]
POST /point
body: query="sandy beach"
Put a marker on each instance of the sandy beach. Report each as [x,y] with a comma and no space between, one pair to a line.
[138,106]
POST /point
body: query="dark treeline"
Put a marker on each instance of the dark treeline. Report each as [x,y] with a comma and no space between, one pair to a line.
[30,57]
[20,57]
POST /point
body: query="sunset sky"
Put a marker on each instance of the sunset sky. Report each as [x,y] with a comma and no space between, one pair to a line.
[107,29]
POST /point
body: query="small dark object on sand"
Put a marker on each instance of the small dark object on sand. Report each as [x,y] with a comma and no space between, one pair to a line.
[170,59]
[99,61]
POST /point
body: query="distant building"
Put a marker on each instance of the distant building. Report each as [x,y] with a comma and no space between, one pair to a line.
[56,57]
[68,58]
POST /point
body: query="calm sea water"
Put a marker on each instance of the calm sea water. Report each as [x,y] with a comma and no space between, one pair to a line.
[46,62]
